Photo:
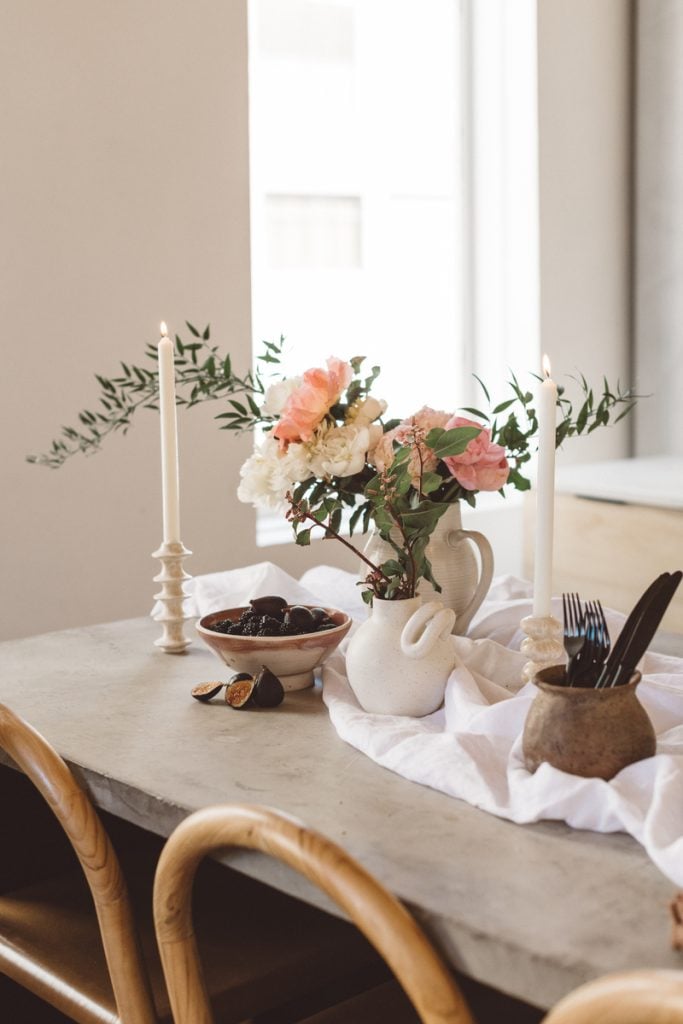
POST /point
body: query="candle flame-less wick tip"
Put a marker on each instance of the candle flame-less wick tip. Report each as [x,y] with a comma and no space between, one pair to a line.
[546,366]
[163,329]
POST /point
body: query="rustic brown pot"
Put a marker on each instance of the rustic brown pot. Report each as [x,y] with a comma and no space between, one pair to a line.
[588,732]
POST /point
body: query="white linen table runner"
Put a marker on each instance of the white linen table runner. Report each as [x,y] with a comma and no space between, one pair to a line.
[471,747]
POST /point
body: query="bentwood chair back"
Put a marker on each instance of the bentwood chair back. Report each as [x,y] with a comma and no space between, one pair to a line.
[378,915]
[22,923]
[626,997]
[287,955]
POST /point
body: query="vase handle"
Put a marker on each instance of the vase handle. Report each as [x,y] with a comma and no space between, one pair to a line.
[430,623]
[455,537]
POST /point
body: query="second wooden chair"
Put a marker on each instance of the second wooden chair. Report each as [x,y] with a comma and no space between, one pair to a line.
[377,914]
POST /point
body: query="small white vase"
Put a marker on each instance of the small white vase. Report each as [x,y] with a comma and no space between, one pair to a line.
[399,660]
[464,584]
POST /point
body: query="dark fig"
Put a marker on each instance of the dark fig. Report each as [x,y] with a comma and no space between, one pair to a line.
[319,615]
[268,691]
[239,692]
[205,691]
[300,617]
[270,605]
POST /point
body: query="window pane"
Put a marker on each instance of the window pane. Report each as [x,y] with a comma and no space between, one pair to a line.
[356,189]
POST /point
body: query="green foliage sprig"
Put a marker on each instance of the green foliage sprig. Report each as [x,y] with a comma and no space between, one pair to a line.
[202,374]
[517,431]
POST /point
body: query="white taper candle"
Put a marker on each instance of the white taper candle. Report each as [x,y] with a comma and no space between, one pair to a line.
[545,493]
[169,439]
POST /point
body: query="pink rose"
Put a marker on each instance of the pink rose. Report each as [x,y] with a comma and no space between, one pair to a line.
[309,403]
[482,466]
[425,419]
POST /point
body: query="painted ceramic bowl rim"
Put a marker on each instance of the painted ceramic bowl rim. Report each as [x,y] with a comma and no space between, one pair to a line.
[271,641]
[571,691]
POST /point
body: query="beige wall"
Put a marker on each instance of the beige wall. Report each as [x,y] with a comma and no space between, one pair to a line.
[123,201]
[584,87]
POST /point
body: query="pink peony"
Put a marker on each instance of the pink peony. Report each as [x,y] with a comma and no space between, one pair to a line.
[310,402]
[426,419]
[482,466]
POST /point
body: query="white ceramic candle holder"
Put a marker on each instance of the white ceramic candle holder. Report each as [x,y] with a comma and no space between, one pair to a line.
[172,595]
[542,644]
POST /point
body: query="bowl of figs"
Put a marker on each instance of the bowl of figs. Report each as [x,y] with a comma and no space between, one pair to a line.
[290,640]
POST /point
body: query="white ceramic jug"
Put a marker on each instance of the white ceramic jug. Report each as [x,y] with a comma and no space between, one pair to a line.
[464,584]
[400,659]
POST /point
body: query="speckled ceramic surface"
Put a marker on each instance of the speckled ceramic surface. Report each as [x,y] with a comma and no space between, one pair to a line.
[291,658]
[588,732]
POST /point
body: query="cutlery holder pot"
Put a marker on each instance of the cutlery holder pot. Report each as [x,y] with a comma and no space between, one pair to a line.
[587,732]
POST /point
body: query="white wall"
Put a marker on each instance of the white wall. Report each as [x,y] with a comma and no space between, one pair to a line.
[584,88]
[659,226]
[123,201]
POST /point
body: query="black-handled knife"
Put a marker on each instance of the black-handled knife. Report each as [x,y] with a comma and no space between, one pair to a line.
[607,675]
[646,629]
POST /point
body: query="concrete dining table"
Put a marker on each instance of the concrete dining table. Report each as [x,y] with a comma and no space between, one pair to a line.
[531,910]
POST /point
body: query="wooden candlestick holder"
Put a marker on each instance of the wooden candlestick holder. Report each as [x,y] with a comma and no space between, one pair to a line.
[542,644]
[172,596]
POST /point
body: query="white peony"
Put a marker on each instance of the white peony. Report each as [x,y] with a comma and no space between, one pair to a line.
[340,451]
[277,395]
[363,412]
[269,473]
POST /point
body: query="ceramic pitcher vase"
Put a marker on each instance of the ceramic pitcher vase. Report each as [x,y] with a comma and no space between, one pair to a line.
[399,660]
[464,583]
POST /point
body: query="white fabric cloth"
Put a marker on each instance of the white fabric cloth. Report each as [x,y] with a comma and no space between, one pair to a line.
[471,748]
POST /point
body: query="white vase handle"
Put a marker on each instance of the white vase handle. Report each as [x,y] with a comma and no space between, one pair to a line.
[455,537]
[431,622]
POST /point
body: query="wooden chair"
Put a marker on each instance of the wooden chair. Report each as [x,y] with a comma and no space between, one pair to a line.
[378,915]
[76,946]
[626,997]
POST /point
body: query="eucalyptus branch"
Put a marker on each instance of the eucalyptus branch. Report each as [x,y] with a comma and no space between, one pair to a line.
[202,374]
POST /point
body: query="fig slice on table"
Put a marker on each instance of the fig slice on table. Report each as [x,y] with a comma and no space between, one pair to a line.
[205,691]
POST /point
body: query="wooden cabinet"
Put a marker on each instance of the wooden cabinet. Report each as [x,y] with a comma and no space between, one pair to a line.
[611,550]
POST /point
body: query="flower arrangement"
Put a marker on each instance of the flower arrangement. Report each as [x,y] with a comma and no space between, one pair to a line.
[327,449]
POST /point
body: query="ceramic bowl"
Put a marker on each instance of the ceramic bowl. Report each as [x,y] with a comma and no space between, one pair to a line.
[291,658]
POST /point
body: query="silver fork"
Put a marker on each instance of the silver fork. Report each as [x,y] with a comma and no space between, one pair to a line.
[574,636]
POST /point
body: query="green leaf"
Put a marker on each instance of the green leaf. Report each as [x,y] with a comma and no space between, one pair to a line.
[451,442]
[431,482]
[475,412]
[192,330]
[303,538]
[582,418]
[503,406]
[483,386]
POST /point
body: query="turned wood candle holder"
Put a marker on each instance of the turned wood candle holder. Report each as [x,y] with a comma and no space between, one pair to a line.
[172,597]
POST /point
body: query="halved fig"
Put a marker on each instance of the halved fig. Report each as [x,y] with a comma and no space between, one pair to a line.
[239,691]
[268,690]
[205,691]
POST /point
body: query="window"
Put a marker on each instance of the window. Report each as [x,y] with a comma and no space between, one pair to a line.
[393,189]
